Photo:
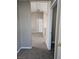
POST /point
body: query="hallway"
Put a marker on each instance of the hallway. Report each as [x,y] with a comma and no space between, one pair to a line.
[38,41]
[37,29]
[38,51]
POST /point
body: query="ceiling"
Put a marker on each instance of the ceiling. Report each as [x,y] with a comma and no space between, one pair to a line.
[39,6]
[33,0]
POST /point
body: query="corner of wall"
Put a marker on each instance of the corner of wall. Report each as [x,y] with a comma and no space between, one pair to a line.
[23,48]
[48,44]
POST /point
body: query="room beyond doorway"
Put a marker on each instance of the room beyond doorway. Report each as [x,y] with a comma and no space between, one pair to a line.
[39,16]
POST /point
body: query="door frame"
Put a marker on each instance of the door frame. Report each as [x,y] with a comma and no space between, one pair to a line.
[57,33]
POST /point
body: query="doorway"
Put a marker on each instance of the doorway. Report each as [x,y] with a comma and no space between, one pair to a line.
[39,16]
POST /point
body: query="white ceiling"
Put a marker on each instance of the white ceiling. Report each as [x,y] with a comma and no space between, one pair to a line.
[39,6]
[33,0]
[36,5]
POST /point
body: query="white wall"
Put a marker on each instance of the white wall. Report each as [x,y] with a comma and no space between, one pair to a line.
[24,17]
[57,53]
[18,30]
[49,31]
[41,5]
[33,0]
[45,31]
[36,26]
[59,44]
[49,28]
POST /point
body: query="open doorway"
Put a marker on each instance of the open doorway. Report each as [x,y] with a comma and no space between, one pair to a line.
[39,17]
[38,24]
[38,40]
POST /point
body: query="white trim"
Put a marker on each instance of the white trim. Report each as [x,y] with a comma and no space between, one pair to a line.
[53,4]
[48,46]
[57,28]
[26,47]
[23,48]
[18,50]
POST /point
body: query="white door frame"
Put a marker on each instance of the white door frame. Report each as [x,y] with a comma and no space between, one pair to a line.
[50,24]
[57,33]
[58,2]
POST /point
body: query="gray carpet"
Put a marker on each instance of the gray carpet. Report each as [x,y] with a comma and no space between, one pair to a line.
[35,53]
[39,50]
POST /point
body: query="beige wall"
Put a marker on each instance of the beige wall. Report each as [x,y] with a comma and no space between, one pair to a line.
[45,16]
[36,16]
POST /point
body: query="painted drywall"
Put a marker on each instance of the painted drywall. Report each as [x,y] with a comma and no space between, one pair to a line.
[49,31]
[49,28]
[18,36]
[59,44]
[24,17]
[18,29]
[36,26]
[33,0]
[57,52]
[54,13]
[39,5]
[45,32]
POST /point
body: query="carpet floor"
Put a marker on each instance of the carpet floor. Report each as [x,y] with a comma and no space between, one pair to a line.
[38,51]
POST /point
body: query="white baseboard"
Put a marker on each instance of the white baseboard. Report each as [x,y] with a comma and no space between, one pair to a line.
[18,50]
[48,47]
[26,47]
[23,48]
